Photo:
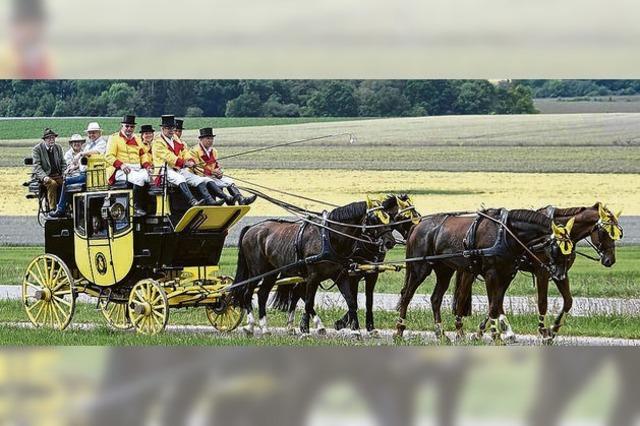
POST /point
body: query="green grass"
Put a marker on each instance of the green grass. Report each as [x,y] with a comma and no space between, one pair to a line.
[588,278]
[12,311]
[31,128]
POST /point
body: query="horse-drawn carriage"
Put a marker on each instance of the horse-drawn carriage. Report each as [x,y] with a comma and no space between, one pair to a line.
[136,267]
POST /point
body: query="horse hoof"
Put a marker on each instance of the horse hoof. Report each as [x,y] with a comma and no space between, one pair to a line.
[304,336]
[248,331]
[547,341]
[339,325]
[510,338]
[443,340]
[356,335]
[459,339]
[292,331]
[322,331]
[374,334]
[266,333]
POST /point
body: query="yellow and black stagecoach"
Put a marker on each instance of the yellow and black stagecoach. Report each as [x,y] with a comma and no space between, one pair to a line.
[136,267]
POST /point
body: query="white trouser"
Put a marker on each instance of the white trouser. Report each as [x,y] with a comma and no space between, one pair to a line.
[137,176]
[223,182]
[176,177]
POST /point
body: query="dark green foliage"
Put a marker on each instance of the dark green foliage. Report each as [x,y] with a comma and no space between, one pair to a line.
[275,98]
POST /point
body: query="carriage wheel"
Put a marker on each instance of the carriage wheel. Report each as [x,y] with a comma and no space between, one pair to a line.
[148,307]
[47,292]
[223,316]
[116,314]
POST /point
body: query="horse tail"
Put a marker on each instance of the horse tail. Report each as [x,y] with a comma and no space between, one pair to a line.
[283,297]
[238,294]
[461,296]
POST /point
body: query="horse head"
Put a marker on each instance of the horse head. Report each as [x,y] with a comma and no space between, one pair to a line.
[560,249]
[605,234]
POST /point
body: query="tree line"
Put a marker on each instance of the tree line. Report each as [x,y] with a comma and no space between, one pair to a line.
[580,88]
[262,98]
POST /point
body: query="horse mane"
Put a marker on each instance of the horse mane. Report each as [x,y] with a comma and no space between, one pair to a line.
[529,216]
[349,212]
[571,211]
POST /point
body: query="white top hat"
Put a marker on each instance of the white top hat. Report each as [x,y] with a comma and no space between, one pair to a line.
[76,138]
[93,126]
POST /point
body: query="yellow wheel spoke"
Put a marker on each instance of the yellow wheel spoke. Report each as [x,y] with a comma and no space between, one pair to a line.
[136,319]
[32,285]
[55,312]
[50,269]
[40,275]
[37,317]
[55,279]
[30,308]
[61,300]
[33,274]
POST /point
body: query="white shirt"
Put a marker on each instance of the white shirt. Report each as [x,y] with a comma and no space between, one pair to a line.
[169,141]
[100,145]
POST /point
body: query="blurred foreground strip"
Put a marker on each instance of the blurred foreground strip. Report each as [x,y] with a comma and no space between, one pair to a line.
[318,386]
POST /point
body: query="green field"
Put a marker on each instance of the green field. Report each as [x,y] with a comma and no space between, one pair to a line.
[417,320]
[588,279]
[31,128]
[588,143]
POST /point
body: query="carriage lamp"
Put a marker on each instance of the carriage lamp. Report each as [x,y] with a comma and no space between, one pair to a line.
[117,211]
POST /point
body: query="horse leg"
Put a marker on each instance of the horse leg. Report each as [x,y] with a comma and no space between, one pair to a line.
[542,286]
[370,285]
[494,286]
[263,297]
[251,322]
[415,275]
[293,303]
[462,298]
[309,311]
[567,303]
[344,284]
[443,278]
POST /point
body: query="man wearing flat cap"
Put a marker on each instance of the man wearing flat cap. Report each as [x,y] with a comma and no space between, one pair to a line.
[169,150]
[49,164]
[128,161]
[208,166]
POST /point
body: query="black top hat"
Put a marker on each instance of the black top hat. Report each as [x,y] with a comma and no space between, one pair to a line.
[146,128]
[48,132]
[168,121]
[129,119]
[206,132]
[179,124]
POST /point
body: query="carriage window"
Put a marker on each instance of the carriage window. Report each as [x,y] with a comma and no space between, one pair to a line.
[96,224]
[78,210]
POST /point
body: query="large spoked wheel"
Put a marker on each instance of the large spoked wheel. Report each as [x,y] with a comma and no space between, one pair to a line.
[223,316]
[148,307]
[47,292]
[116,314]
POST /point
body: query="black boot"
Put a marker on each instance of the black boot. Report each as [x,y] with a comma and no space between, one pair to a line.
[217,191]
[139,199]
[186,193]
[243,201]
[206,197]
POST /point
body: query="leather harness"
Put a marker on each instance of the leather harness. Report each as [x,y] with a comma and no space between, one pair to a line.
[499,247]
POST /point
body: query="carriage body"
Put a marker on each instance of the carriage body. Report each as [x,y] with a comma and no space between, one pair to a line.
[137,267]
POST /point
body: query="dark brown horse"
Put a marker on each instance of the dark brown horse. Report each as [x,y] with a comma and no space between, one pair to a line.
[492,252]
[287,297]
[326,244]
[596,222]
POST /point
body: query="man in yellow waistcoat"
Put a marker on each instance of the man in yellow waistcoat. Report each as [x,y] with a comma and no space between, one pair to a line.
[169,150]
[206,158]
[128,161]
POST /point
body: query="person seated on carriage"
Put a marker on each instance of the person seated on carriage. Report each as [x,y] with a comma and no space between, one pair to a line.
[128,161]
[49,164]
[207,166]
[169,150]
[179,129]
[147,135]
[71,157]
[95,144]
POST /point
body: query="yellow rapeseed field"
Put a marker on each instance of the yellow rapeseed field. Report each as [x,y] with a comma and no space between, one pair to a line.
[434,191]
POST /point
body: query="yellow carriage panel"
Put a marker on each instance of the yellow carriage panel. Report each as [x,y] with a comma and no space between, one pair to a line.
[103,236]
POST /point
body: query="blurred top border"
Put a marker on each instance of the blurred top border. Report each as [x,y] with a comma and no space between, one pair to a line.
[329,39]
